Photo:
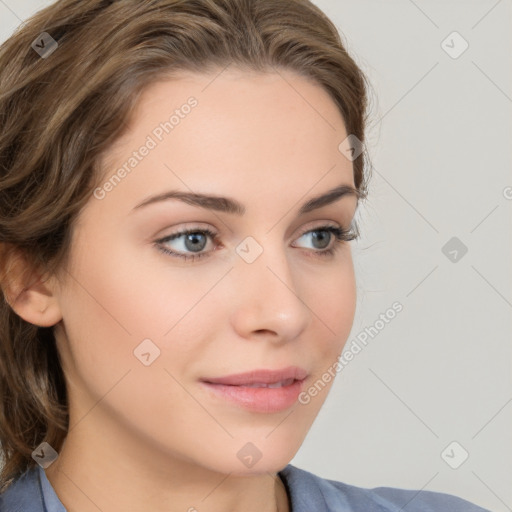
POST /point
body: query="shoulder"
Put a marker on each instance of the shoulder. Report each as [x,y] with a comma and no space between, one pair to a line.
[310,492]
[23,495]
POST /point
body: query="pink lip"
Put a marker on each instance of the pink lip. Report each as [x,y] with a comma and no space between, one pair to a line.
[234,388]
[263,376]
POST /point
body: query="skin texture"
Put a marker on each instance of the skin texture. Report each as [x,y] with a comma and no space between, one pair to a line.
[150,437]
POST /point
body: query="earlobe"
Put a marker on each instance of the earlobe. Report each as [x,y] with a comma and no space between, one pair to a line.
[29,295]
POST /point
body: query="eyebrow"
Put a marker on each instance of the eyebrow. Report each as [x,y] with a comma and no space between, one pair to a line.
[229,205]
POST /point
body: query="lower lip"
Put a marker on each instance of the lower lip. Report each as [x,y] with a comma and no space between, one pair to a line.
[265,400]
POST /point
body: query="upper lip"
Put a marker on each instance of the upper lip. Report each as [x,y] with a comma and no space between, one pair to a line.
[263,376]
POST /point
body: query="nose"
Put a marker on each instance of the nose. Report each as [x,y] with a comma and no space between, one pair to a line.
[267,299]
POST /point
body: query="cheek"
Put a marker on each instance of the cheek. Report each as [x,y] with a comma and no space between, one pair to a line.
[333,307]
[332,300]
[112,304]
[131,292]
[108,310]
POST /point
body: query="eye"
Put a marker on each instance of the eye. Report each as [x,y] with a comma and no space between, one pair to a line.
[194,240]
[324,238]
[190,244]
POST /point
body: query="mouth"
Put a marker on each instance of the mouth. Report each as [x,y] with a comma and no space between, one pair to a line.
[261,378]
[264,391]
[272,385]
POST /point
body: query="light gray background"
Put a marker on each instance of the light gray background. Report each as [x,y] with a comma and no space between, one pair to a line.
[440,140]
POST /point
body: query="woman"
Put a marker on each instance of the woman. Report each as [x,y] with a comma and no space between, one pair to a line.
[178,190]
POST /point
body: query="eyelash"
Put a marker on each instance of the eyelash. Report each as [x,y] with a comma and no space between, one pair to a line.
[341,235]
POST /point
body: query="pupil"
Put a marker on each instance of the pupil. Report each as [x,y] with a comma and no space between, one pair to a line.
[323,237]
[195,242]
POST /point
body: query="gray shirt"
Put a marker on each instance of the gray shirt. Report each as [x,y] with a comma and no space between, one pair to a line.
[32,492]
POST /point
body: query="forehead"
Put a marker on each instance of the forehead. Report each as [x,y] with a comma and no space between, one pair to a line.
[234,85]
[245,131]
[235,103]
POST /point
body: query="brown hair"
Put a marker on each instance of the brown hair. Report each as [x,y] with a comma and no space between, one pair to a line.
[60,113]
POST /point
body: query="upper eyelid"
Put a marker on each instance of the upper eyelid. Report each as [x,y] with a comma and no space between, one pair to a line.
[324,224]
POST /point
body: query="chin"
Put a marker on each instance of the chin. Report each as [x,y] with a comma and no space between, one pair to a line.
[260,457]
[244,457]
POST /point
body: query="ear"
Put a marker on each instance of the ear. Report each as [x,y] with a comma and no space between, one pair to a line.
[32,296]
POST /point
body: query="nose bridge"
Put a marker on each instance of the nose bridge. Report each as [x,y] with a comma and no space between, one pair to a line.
[267,297]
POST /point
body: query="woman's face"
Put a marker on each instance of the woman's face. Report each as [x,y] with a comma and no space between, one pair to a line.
[141,328]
